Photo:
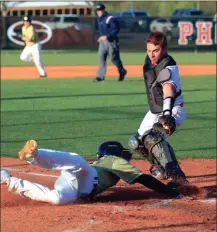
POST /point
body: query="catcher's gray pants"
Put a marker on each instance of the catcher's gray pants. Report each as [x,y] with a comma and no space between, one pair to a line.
[112,49]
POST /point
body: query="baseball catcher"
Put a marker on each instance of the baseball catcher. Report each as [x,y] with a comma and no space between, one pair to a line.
[166,112]
[78,179]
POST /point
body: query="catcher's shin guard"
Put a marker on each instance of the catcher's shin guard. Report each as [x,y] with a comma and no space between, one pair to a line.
[135,143]
[164,155]
[174,171]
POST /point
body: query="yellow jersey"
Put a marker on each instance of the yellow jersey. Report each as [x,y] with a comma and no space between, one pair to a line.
[30,33]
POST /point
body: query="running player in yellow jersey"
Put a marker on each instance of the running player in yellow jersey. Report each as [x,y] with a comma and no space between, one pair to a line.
[33,47]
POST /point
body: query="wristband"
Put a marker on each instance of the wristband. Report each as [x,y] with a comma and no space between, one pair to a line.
[168,103]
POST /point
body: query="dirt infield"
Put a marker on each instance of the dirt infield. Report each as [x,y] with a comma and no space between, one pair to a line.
[123,208]
[30,72]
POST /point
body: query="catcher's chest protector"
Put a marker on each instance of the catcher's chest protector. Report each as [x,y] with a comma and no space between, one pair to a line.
[154,90]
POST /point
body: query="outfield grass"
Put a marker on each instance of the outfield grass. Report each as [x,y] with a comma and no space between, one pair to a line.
[9,58]
[77,115]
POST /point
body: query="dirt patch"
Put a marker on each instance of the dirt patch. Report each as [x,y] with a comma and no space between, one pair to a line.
[89,71]
[123,208]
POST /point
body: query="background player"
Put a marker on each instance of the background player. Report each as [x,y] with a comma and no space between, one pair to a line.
[78,179]
[32,46]
[166,111]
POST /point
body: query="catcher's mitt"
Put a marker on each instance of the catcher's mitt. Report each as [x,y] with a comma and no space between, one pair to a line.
[168,123]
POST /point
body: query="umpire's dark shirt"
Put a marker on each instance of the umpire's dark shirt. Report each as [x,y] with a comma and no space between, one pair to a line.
[109,26]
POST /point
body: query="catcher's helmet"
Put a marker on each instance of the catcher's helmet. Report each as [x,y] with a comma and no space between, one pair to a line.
[113,148]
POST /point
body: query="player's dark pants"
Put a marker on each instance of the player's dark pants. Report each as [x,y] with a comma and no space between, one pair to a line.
[110,49]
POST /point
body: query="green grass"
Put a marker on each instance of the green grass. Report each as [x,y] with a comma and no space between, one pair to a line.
[77,115]
[9,58]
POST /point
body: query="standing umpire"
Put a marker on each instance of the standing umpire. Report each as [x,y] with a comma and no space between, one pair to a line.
[108,43]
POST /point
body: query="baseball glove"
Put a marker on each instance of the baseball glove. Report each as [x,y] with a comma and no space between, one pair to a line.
[168,123]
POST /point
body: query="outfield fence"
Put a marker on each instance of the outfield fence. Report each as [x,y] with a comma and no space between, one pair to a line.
[183,33]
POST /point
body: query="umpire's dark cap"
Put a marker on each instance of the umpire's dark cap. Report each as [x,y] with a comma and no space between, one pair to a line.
[100,7]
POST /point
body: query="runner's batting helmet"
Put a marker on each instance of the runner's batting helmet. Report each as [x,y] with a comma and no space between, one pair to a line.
[113,148]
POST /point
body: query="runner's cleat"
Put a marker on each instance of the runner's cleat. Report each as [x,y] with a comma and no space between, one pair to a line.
[29,150]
